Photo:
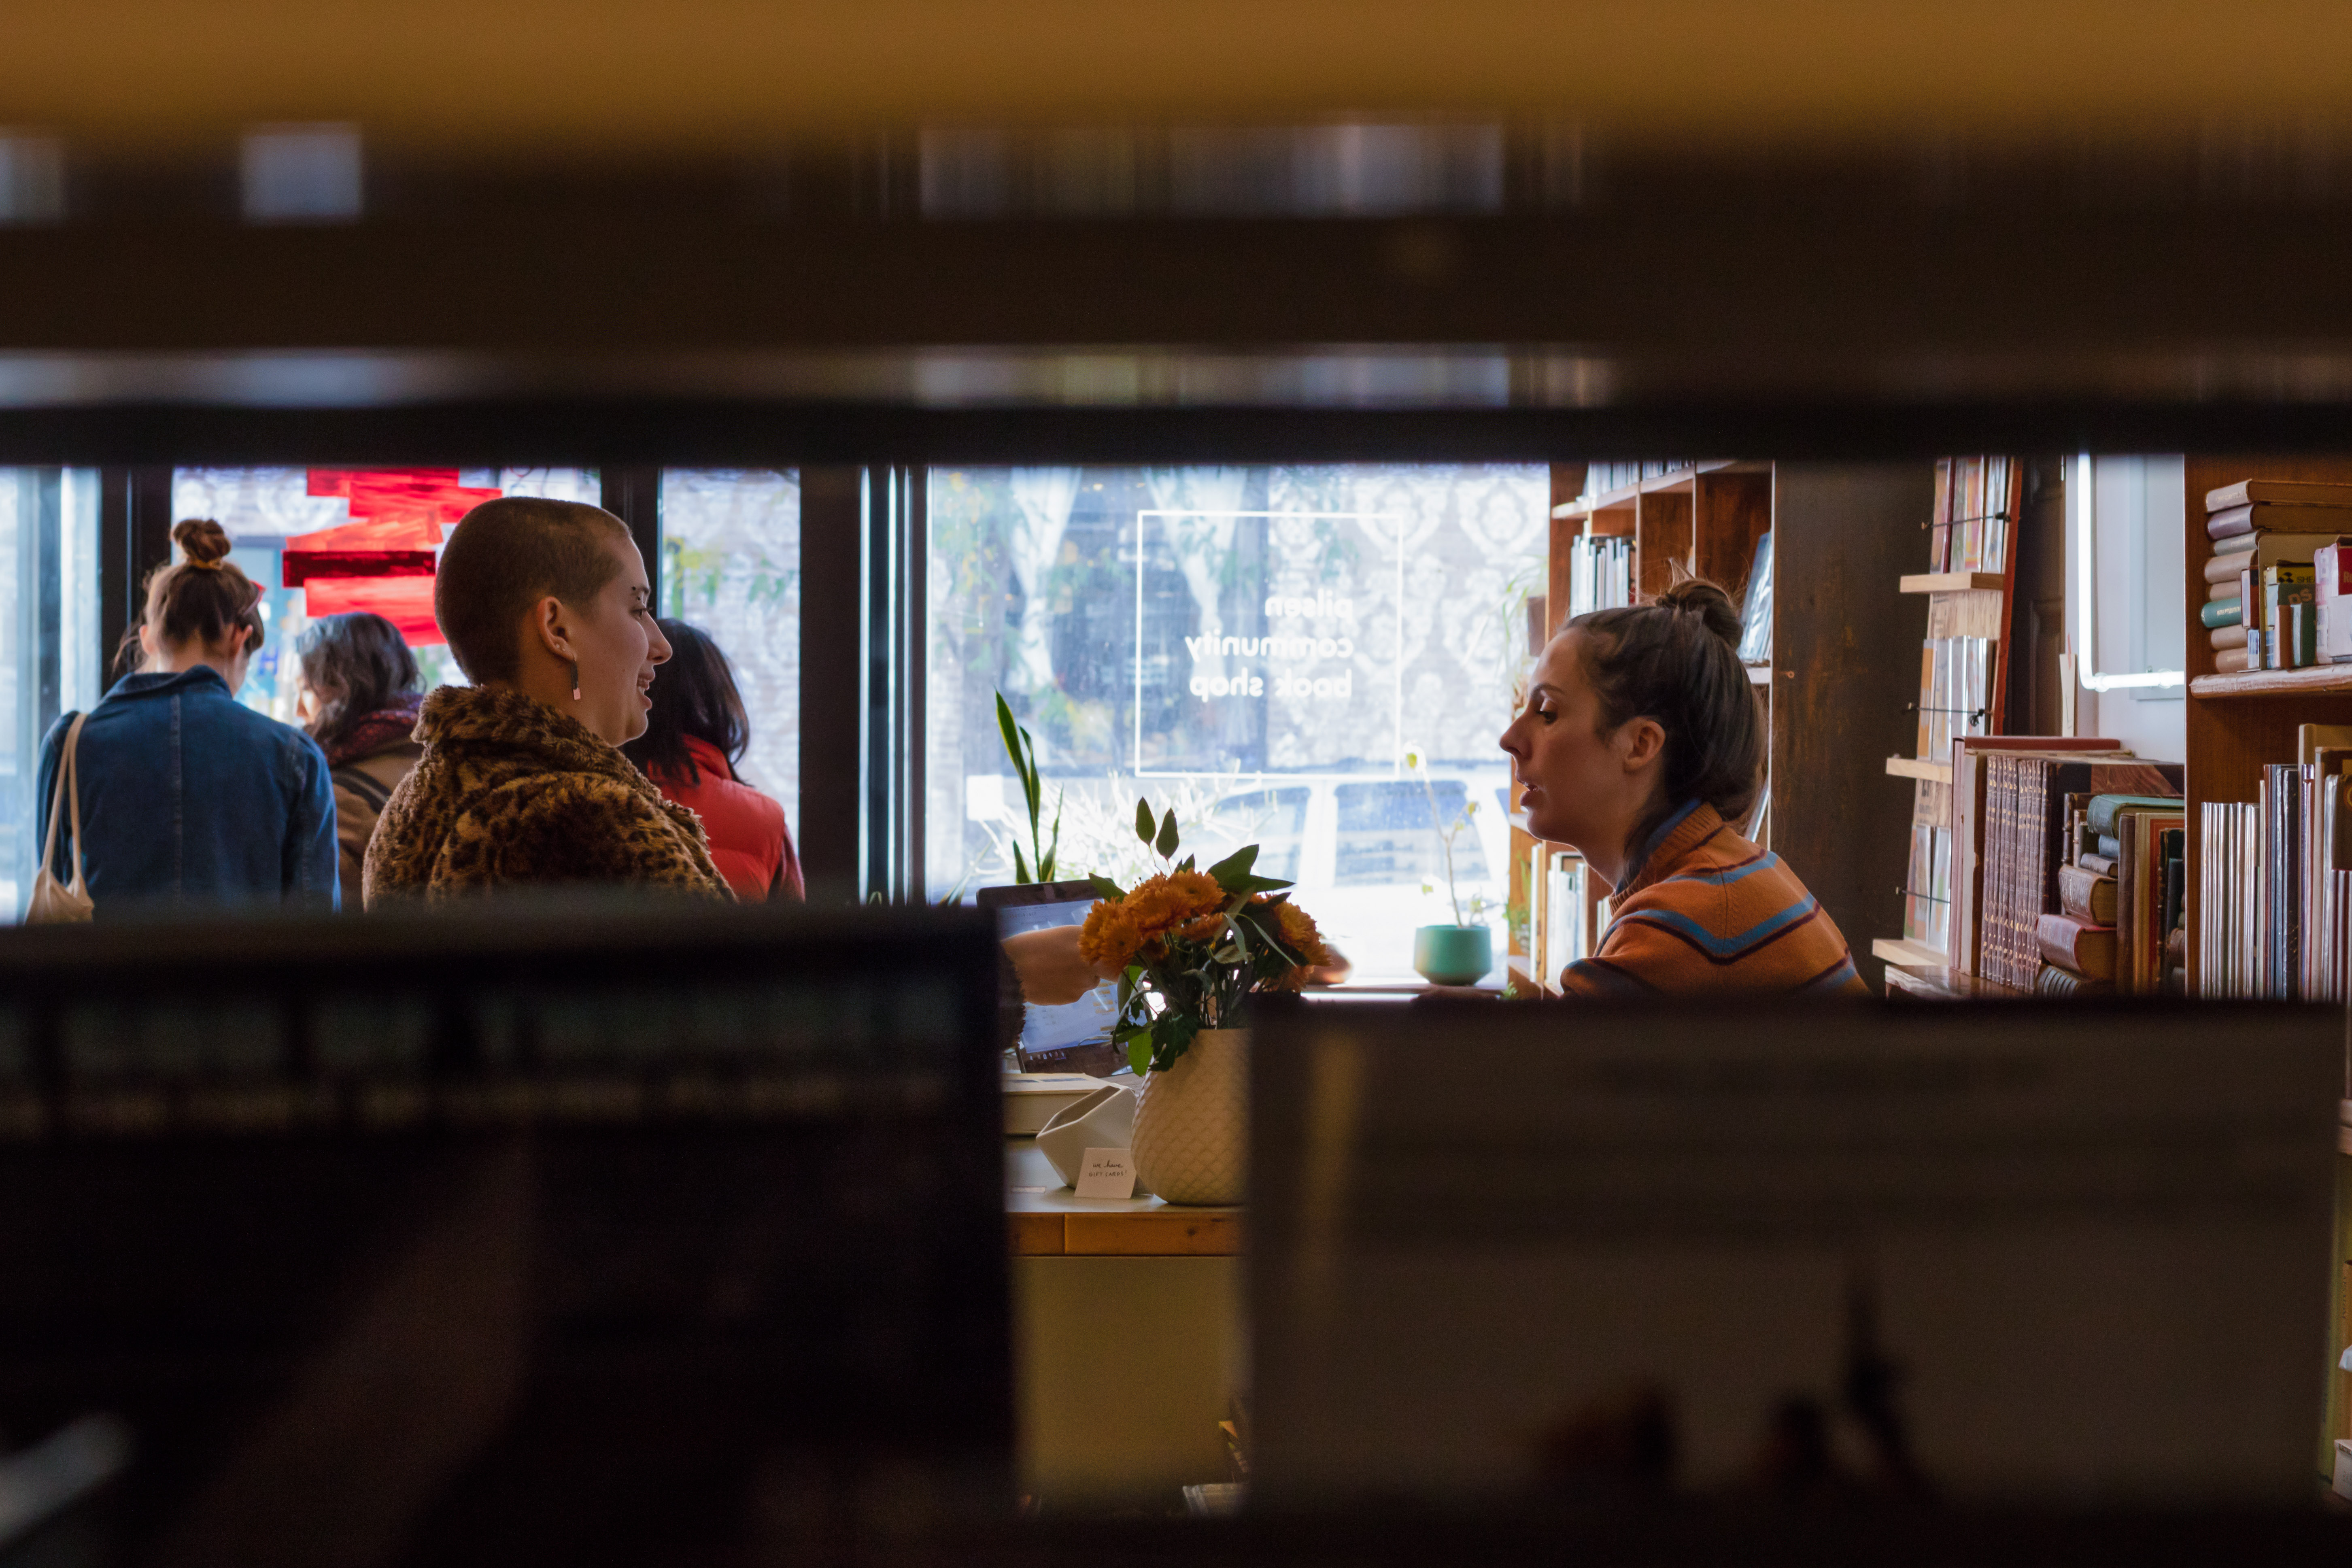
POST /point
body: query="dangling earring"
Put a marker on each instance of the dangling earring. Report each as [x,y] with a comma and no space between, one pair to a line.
[575,681]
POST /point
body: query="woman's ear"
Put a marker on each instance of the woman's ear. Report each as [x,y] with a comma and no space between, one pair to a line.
[1641,742]
[553,627]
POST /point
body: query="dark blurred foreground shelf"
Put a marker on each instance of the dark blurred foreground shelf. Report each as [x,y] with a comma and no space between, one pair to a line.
[1694,1535]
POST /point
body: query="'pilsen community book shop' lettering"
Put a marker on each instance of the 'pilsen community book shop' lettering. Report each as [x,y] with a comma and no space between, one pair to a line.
[1212,645]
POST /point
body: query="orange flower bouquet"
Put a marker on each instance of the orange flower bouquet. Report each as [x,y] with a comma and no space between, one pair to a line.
[1191,947]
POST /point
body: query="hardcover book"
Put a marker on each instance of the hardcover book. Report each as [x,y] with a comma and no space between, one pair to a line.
[1971,819]
[2025,800]
[2088,950]
[2279,492]
[2261,519]
[2086,895]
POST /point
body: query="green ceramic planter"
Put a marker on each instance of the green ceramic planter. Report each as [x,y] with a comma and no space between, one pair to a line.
[1453,956]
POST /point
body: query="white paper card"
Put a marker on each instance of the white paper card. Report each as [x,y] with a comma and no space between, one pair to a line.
[1106,1174]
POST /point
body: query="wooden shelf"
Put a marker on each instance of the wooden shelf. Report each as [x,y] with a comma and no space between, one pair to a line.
[1912,954]
[2316,680]
[1952,582]
[1914,768]
[1664,484]
[1935,983]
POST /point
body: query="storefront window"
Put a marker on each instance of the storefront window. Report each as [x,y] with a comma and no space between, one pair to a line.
[48,639]
[1317,660]
[263,509]
[731,566]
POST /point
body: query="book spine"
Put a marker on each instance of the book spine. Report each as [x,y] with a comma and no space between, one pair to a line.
[1998,770]
[2009,872]
[2086,895]
[2049,810]
[2209,836]
[2230,521]
[2221,612]
[1939,537]
[2088,950]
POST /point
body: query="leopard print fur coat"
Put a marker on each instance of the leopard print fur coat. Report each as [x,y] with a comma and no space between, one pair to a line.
[510,793]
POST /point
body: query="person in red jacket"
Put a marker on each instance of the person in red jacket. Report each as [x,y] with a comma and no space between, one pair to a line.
[694,736]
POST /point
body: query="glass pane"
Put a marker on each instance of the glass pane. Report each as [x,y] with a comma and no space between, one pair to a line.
[262,509]
[49,641]
[1261,649]
[732,565]
[1393,832]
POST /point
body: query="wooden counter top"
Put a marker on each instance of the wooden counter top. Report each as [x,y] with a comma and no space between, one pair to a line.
[1045,1218]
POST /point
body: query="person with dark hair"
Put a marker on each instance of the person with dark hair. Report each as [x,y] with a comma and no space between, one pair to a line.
[522,783]
[1640,744]
[364,692]
[185,796]
[694,736]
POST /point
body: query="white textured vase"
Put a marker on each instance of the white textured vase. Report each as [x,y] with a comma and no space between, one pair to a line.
[1191,1128]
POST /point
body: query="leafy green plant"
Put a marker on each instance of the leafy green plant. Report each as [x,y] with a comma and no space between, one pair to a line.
[1192,946]
[1023,749]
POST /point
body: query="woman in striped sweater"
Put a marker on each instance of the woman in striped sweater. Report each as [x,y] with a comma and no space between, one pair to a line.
[1641,745]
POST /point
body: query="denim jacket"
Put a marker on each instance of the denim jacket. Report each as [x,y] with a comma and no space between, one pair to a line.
[190,798]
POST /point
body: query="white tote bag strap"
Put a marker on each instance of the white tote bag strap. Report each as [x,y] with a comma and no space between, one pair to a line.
[65,798]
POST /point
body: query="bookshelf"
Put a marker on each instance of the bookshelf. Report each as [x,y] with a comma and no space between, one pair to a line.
[1535,937]
[2237,723]
[1844,664]
[2234,724]
[1976,540]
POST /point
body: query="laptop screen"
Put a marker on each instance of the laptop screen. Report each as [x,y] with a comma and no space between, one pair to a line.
[1085,1022]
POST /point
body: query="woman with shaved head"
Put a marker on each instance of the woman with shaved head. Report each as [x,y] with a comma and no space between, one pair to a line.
[546,607]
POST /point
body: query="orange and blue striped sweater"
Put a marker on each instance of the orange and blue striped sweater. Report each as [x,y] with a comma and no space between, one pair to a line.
[1708,913]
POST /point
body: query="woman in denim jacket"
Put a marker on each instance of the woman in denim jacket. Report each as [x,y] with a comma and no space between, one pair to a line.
[188,797]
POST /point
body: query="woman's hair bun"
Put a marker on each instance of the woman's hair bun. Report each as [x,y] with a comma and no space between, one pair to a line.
[201,539]
[1698,596]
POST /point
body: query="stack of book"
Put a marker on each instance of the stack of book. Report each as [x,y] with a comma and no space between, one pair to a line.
[1599,478]
[1926,889]
[2119,898]
[1961,834]
[2275,881]
[2034,824]
[1599,573]
[2258,608]
[1565,939]
[2229,876]
[1976,503]
[1956,693]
